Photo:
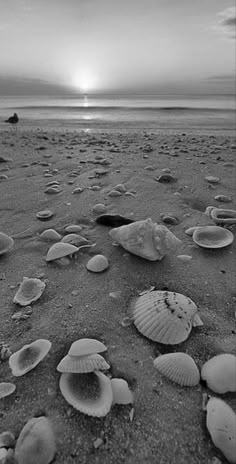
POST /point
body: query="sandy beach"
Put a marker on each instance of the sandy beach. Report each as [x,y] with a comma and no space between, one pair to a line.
[169,425]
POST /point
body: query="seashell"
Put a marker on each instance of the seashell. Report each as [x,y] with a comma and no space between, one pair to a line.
[209,210]
[6,389]
[36,442]
[178,367]
[89,393]
[99,208]
[113,220]
[185,258]
[220,373]
[223,198]
[50,235]
[121,392]
[83,364]
[74,239]
[212,179]
[212,237]
[6,243]
[30,290]
[220,423]
[145,239]
[190,231]
[165,317]
[120,188]
[114,193]
[53,189]
[59,250]
[86,346]
[97,263]
[44,215]
[223,216]
[28,357]
[73,228]
[166,179]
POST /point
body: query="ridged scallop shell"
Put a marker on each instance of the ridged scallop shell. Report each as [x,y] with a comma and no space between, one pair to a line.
[165,317]
[145,239]
[212,237]
[6,389]
[121,392]
[50,235]
[178,367]
[88,393]
[36,442]
[220,373]
[30,290]
[86,346]
[29,356]
[223,216]
[6,243]
[97,263]
[60,250]
[82,364]
[221,424]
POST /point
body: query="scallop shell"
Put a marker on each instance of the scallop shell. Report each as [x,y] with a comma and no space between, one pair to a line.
[74,239]
[121,392]
[223,216]
[145,239]
[165,317]
[221,424]
[86,346]
[60,250]
[30,290]
[28,357]
[178,367]
[89,393]
[50,235]
[212,237]
[36,442]
[6,243]
[6,389]
[97,263]
[220,373]
[82,364]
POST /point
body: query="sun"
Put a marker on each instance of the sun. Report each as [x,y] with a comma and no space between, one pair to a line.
[85,81]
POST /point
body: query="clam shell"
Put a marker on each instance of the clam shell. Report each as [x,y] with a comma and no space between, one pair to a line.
[220,373]
[165,317]
[74,239]
[212,237]
[223,216]
[83,364]
[6,243]
[44,215]
[221,424]
[6,389]
[59,250]
[30,290]
[36,442]
[50,235]
[73,228]
[89,393]
[97,263]
[178,367]
[28,357]
[86,346]
[121,392]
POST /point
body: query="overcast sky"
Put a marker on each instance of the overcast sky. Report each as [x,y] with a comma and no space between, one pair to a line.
[138,46]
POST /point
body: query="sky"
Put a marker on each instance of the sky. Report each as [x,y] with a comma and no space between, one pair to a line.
[117,46]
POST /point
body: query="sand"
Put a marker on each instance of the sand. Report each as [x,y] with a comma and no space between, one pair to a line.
[169,424]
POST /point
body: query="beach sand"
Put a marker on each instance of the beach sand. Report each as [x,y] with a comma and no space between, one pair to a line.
[168,426]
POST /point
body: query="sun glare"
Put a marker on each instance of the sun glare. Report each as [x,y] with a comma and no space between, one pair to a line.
[85,81]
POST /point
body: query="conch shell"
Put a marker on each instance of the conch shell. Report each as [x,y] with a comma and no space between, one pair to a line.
[146,239]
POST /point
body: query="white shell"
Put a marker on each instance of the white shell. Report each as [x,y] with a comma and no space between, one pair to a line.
[30,290]
[146,239]
[121,392]
[221,424]
[220,373]
[223,216]
[212,237]
[178,367]
[59,250]
[36,442]
[86,346]
[6,243]
[87,393]
[83,364]
[97,263]
[46,214]
[6,389]
[165,317]
[74,239]
[50,235]
[28,357]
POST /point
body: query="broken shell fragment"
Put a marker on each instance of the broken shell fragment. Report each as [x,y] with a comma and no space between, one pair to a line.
[6,243]
[86,346]
[83,364]
[6,389]
[36,442]
[121,392]
[51,235]
[89,393]
[60,250]
[28,357]
[212,237]
[178,367]
[165,317]
[30,290]
[97,263]
[220,373]
[220,422]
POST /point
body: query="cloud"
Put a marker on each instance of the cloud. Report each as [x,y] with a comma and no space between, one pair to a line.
[227,22]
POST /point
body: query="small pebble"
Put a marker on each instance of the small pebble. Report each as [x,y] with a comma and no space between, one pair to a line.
[99,208]
[77,190]
[98,442]
[73,228]
[120,188]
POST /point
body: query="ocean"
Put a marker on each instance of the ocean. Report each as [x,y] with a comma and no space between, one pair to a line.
[155,112]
